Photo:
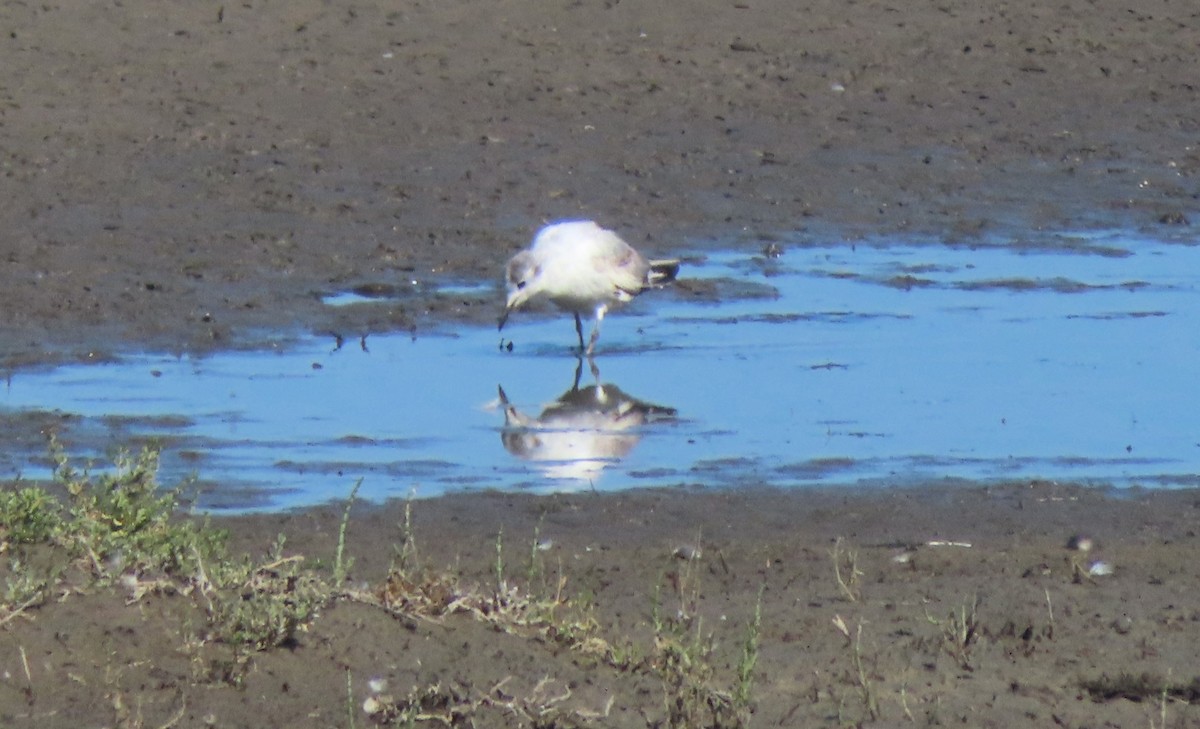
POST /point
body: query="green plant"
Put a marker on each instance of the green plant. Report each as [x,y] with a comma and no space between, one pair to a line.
[23,588]
[122,520]
[536,567]
[262,606]
[683,663]
[749,657]
[350,712]
[28,515]
[501,585]
[341,566]
[960,632]
[407,558]
[683,660]
[858,676]
[865,686]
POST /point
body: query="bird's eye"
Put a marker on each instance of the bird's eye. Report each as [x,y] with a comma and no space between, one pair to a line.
[520,284]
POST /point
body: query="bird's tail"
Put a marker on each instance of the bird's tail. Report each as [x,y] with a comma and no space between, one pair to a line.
[663,271]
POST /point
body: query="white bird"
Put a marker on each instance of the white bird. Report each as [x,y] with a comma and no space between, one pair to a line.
[580,433]
[584,269]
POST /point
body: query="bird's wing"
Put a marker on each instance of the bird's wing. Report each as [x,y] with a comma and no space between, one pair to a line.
[626,266]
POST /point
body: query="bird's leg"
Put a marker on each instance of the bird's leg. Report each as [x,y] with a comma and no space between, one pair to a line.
[595,370]
[579,331]
[600,310]
[578,374]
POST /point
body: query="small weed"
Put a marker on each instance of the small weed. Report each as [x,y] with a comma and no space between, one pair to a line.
[229,670]
[683,663]
[501,585]
[859,677]
[28,515]
[263,606]
[22,585]
[625,657]
[845,570]
[960,631]
[340,564]
[534,610]
[682,659]
[749,658]
[406,553]
[536,569]
[24,588]
[121,521]
[266,606]
[120,528]
[865,686]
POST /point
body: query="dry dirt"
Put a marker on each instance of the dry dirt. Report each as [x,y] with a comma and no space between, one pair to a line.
[185,176]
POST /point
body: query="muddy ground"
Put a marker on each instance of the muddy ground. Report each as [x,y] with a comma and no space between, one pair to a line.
[185,176]
[961,606]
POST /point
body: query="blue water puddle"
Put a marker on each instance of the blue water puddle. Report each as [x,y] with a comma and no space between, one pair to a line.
[877,363]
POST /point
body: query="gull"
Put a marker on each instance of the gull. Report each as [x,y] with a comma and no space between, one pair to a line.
[580,433]
[584,269]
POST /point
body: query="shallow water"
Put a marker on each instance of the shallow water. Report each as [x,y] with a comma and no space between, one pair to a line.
[880,363]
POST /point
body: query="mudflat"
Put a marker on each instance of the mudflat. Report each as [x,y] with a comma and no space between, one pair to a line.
[184,176]
[177,174]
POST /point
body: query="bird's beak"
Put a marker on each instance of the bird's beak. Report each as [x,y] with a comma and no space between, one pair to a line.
[515,299]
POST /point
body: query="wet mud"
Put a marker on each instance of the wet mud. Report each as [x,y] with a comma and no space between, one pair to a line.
[189,176]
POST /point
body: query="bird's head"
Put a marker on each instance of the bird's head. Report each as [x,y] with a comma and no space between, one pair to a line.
[523,283]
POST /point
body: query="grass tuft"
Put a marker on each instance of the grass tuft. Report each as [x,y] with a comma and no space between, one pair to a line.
[119,529]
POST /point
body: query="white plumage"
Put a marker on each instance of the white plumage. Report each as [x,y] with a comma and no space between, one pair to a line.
[584,269]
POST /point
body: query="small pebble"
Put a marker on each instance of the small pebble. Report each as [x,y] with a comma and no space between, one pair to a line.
[1100,569]
[1080,543]
[1123,624]
[129,581]
[372,705]
[687,551]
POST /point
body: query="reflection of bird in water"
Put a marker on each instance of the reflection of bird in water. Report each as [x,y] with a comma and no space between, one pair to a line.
[583,269]
[581,432]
